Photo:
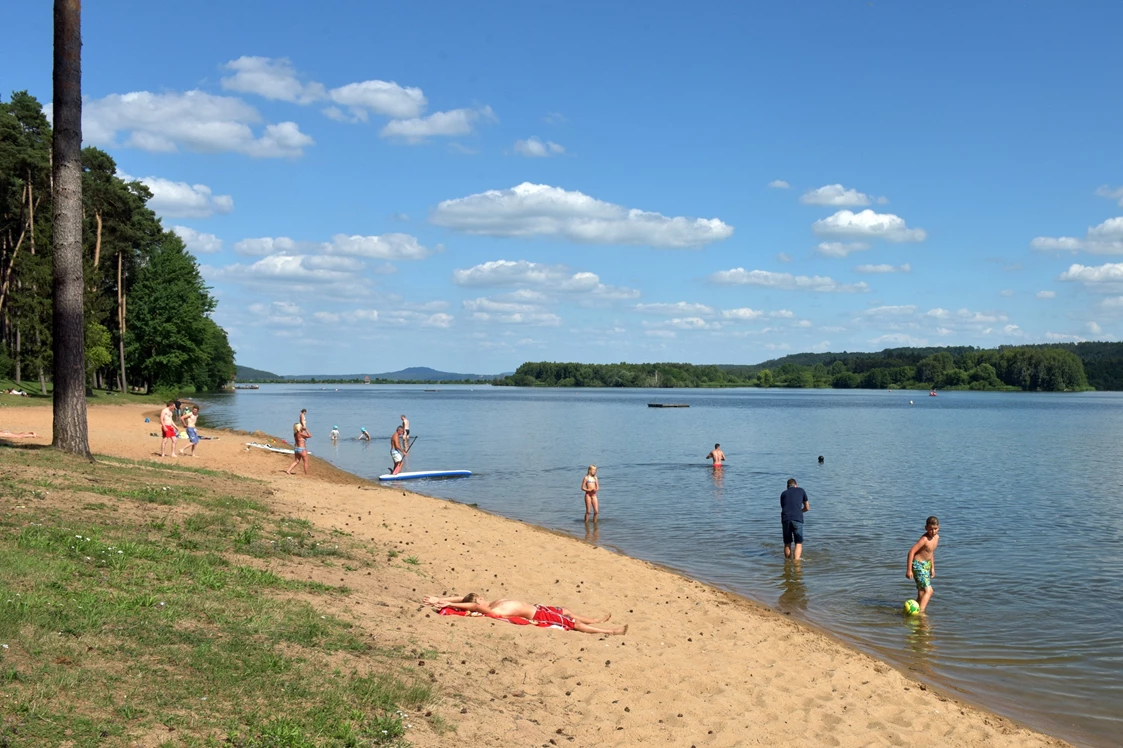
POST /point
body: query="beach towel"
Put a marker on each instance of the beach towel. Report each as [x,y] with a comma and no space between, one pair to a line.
[518,620]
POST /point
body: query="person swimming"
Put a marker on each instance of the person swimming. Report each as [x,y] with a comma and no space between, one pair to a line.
[717,456]
[363,435]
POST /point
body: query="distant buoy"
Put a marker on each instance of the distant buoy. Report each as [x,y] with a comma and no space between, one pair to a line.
[910,402]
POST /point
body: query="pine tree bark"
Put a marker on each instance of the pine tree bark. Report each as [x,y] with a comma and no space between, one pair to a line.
[121,324]
[70,430]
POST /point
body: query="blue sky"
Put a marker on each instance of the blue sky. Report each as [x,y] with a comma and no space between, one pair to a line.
[371,187]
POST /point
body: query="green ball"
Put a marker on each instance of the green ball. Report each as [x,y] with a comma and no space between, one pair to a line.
[911,607]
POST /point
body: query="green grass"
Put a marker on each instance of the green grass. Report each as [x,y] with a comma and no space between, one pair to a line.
[117,627]
[30,385]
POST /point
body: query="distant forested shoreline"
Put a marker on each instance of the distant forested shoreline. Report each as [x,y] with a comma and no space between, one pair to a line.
[1070,367]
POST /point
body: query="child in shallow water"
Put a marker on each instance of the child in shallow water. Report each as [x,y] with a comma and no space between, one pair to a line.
[921,563]
[590,485]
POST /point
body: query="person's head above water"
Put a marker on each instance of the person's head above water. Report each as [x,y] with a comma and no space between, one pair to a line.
[363,429]
[820,459]
[335,427]
[717,446]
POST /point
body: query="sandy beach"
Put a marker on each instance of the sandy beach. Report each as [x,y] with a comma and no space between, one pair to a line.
[698,666]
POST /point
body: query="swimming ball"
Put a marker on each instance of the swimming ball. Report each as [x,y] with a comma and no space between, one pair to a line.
[911,607]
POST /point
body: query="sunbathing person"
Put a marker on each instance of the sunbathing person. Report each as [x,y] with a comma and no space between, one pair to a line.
[5,434]
[556,616]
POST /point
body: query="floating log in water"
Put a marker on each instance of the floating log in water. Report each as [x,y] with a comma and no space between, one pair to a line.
[668,405]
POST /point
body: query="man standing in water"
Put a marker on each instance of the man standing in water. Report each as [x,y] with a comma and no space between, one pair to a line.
[397,452]
[717,456]
[793,503]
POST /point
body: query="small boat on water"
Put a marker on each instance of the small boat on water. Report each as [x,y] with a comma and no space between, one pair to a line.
[668,405]
[247,387]
[932,393]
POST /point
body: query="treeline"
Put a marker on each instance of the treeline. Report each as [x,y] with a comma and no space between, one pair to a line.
[1029,368]
[147,308]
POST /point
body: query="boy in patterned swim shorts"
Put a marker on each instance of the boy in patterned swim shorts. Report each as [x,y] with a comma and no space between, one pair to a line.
[921,563]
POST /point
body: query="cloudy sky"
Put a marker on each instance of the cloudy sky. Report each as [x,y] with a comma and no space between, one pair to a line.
[468,186]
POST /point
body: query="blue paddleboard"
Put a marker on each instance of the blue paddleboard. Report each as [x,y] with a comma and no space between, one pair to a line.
[427,474]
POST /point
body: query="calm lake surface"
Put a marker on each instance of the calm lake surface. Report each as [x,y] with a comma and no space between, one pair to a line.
[1027,617]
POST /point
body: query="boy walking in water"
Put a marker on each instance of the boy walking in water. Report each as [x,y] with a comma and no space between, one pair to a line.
[921,563]
[717,456]
[793,504]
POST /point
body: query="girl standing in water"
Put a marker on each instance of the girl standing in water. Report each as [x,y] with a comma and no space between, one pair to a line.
[590,485]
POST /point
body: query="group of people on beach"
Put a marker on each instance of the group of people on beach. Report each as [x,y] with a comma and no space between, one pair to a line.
[399,442]
[173,412]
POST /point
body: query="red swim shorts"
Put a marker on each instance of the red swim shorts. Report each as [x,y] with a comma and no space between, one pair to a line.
[553,616]
[169,432]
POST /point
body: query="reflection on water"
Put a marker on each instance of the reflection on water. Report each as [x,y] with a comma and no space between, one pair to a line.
[1010,476]
[592,532]
[794,595]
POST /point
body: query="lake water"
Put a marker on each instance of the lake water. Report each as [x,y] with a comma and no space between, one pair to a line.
[1027,617]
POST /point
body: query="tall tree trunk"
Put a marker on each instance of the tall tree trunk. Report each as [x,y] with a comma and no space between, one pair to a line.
[97,241]
[42,381]
[70,431]
[121,323]
[19,368]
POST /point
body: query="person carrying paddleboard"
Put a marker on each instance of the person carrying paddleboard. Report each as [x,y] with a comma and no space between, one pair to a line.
[405,437]
[397,453]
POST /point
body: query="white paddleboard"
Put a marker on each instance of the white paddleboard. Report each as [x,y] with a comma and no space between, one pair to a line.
[270,448]
[427,474]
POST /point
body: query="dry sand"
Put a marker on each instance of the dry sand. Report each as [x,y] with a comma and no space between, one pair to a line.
[698,666]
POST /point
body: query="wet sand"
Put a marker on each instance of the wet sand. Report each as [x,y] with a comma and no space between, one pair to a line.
[698,666]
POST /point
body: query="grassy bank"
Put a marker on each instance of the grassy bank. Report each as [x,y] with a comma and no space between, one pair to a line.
[97,397]
[167,604]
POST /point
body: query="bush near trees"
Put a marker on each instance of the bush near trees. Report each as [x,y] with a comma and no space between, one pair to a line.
[1028,368]
[147,307]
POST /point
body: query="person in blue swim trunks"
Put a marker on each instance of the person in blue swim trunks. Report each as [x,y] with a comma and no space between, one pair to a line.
[921,563]
[189,421]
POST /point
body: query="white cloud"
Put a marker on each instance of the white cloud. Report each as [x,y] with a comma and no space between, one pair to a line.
[899,339]
[660,333]
[532,147]
[692,323]
[876,269]
[1111,194]
[542,210]
[539,319]
[326,317]
[835,195]
[779,184]
[381,97]
[453,122]
[784,281]
[1115,302]
[1061,337]
[555,118]
[1046,294]
[1007,292]
[868,225]
[323,276]
[197,242]
[743,313]
[397,247]
[906,310]
[194,120]
[559,278]
[272,79]
[485,304]
[840,249]
[784,257]
[264,246]
[679,307]
[276,79]
[1109,274]
[1094,328]
[1104,239]
[384,247]
[182,200]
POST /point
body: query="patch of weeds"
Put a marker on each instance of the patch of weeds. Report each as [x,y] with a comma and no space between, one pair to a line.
[413,560]
[393,553]
[95,506]
[440,725]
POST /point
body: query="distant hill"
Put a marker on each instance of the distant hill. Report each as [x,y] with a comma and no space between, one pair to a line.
[248,374]
[412,374]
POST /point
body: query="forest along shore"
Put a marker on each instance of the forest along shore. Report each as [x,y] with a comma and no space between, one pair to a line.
[698,666]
